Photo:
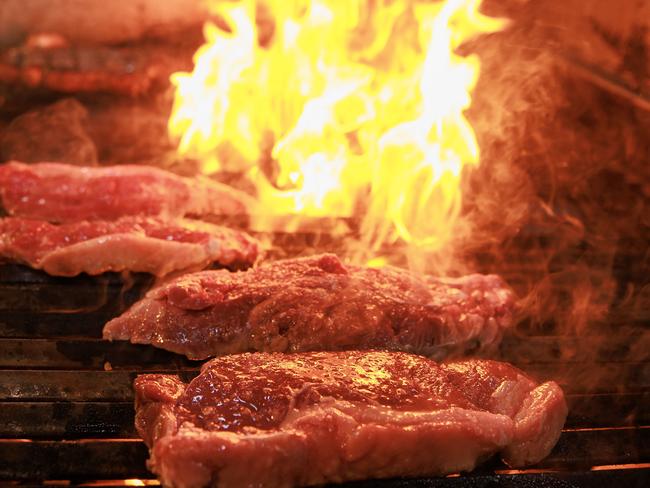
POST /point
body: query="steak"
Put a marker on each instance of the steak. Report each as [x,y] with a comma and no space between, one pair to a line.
[282,420]
[59,192]
[318,303]
[118,70]
[131,243]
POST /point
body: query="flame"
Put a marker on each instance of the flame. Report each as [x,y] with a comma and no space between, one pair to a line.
[339,108]
[134,482]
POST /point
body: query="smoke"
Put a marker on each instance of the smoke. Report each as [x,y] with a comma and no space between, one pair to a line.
[559,206]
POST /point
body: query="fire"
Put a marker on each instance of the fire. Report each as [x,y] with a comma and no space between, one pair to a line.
[339,109]
[133,482]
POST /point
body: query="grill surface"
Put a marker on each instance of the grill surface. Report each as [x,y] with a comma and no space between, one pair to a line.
[66,408]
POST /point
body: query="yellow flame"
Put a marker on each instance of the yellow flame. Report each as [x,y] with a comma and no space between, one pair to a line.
[338,108]
[134,482]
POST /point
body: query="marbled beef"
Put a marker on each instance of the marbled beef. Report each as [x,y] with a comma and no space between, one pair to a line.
[318,303]
[282,420]
[58,192]
[132,243]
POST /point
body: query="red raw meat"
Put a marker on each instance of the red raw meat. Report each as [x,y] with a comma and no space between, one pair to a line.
[318,303]
[131,243]
[282,420]
[59,192]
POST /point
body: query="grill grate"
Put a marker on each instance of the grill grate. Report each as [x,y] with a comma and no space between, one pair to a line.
[66,408]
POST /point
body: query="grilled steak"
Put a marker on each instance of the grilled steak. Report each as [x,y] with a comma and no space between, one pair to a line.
[65,193]
[119,70]
[318,303]
[131,243]
[281,420]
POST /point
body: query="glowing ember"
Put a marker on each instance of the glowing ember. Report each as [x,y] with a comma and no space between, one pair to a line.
[134,482]
[339,109]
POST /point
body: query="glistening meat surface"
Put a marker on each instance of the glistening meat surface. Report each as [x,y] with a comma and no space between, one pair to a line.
[59,192]
[281,420]
[132,243]
[318,303]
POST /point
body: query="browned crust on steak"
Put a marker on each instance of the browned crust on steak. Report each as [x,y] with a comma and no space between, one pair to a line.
[281,420]
[318,303]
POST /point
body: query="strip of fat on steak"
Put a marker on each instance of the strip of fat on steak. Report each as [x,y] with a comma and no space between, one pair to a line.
[136,244]
[318,303]
[283,420]
[58,192]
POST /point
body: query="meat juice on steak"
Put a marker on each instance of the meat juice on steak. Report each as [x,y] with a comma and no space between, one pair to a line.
[318,303]
[281,420]
[138,244]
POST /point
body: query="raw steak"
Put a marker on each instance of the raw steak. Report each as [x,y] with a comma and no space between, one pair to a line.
[281,420]
[318,303]
[64,193]
[131,243]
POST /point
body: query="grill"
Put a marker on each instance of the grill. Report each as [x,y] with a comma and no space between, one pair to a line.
[66,414]
[66,397]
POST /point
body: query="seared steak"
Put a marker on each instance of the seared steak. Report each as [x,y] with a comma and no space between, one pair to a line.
[131,243]
[65,193]
[318,303]
[281,420]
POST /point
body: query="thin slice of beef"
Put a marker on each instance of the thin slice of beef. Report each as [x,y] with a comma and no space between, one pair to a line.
[132,243]
[119,70]
[282,420]
[318,303]
[58,192]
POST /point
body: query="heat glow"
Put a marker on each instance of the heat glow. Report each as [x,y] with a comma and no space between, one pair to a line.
[339,108]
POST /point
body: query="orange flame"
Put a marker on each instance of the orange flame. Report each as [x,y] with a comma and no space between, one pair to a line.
[348,108]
